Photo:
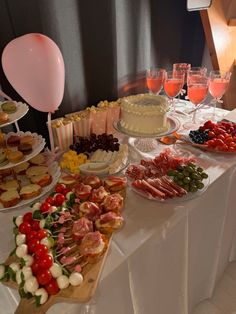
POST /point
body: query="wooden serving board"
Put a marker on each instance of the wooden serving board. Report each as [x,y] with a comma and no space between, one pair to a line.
[79,294]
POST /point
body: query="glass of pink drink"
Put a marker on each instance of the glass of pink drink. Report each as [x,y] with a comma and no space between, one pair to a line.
[218,84]
[155,79]
[173,83]
[197,92]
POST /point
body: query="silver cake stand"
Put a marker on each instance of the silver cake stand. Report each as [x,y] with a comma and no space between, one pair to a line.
[147,142]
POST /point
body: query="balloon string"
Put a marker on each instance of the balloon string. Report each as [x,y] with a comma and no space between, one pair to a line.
[50,133]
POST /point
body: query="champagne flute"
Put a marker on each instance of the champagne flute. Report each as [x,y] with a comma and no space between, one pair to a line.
[197,92]
[218,84]
[173,83]
[182,67]
[155,79]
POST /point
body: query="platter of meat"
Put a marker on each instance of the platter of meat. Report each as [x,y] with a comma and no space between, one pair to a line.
[168,177]
[62,242]
[215,137]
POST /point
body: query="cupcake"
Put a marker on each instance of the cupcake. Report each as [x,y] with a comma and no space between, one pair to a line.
[4,118]
[13,141]
[113,202]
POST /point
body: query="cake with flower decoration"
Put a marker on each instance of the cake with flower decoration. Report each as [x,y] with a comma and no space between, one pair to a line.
[144,114]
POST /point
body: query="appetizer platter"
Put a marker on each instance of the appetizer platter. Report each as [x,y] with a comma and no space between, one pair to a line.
[26,183]
[20,147]
[215,137]
[168,177]
[97,154]
[11,111]
[62,243]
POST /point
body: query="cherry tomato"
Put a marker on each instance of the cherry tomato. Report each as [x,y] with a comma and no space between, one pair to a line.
[60,188]
[44,277]
[50,200]
[32,245]
[211,134]
[27,217]
[42,233]
[211,143]
[44,207]
[221,137]
[59,199]
[67,190]
[52,287]
[45,261]
[35,267]
[40,250]
[35,225]
[31,235]
[24,227]
[218,142]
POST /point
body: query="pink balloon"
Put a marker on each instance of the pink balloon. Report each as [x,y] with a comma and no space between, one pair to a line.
[34,66]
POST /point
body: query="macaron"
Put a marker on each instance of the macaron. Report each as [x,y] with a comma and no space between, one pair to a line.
[8,107]
[3,117]
[25,148]
[13,141]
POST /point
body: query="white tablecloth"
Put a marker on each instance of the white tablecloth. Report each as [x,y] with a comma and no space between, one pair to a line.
[167,258]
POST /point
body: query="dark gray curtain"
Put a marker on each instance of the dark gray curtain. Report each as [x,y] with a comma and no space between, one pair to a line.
[106,44]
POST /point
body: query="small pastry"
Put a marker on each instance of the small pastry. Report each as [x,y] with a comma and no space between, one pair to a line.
[13,141]
[41,179]
[26,149]
[30,191]
[38,160]
[93,181]
[98,195]
[2,139]
[10,198]
[21,168]
[81,227]
[109,222]
[67,180]
[10,185]
[93,246]
[113,202]
[36,170]
[8,107]
[15,156]
[5,172]
[89,210]
[3,117]
[26,139]
[3,158]
[82,191]
[115,184]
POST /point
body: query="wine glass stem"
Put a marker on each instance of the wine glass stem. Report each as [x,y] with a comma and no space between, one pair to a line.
[194,117]
[173,104]
[214,110]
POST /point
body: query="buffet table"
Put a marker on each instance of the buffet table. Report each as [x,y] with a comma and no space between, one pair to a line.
[168,256]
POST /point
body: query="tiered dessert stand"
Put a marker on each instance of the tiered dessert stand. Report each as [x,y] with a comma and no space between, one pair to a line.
[38,146]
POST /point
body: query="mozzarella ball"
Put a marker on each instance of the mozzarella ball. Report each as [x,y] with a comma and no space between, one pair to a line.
[18,277]
[76,279]
[19,220]
[20,239]
[63,282]
[36,206]
[42,223]
[48,242]
[69,194]
[53,209]
[55,270]
[28,260]
[27,272]
[43,294]
[31,284]
[2,271]
[21,250]
[15,266]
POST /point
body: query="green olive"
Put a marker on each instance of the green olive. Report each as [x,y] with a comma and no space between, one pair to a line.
[180,175]
[199,169]
[186,187]
[186,173]
[186,180]
[204,175]
[171,173]
[193,188]
[200,185]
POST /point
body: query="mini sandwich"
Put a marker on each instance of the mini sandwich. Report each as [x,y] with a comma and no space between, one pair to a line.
[36,170]
[38,160]
[10,198]
[30,191]
[41,179]
[10,185]
[21,168]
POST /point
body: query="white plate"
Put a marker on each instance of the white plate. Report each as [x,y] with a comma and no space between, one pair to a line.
[54,171]
[21,110]
[173,122]
[38,145]
[189,196]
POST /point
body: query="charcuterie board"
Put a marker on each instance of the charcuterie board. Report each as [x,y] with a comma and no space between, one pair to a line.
[80,294]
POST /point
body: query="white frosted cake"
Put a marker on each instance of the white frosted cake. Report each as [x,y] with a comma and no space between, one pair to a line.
[144,114]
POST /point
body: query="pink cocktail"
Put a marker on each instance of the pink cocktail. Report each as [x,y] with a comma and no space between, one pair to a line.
[173,84]
[218,86]
[154,79]
[197,93]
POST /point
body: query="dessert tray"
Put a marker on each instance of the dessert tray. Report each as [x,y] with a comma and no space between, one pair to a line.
[168,177]
[53,170]
[21,110]
[173,126]
[37,147]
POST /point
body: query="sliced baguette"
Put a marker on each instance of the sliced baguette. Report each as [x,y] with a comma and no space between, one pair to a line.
[29,191]
[41,179]
[10,198]
[38,160]
[36,170]
[10,185]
